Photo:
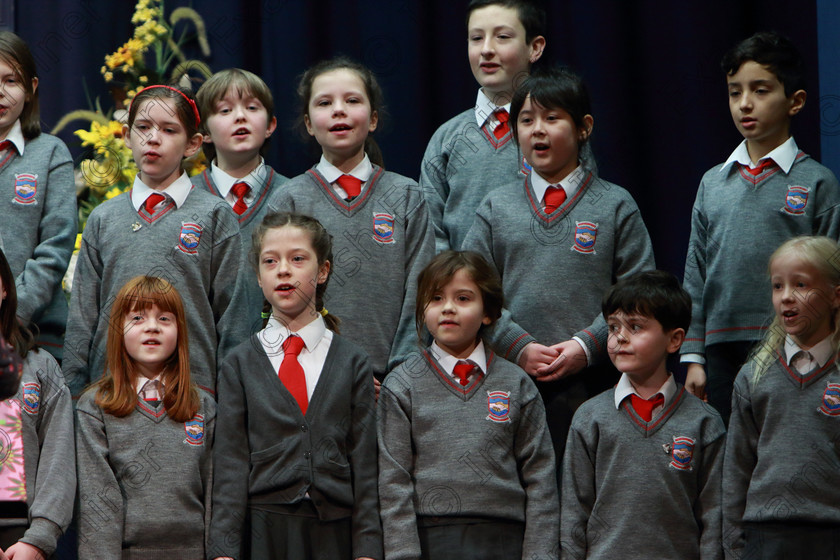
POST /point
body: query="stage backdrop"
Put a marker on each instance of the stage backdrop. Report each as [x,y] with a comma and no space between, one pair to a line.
[660,102]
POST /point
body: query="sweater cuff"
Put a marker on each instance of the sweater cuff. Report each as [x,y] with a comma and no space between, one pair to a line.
[42,533]
[693,346]
[594,343]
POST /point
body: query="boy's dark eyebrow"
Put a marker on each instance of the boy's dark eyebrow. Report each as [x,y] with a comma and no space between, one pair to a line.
[760,81]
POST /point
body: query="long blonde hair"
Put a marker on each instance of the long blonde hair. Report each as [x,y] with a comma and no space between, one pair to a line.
[822,253]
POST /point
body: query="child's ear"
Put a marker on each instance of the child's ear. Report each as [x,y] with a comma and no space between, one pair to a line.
[193,144]
[586,130]
[272,125]
[126,137]
[486,321]
[207,139]
[324,272]
[675,339]
[34,86]
[536,48]
[374,120]
[308,124]
[797,101]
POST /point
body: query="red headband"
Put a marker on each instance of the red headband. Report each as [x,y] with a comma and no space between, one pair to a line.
[190,101]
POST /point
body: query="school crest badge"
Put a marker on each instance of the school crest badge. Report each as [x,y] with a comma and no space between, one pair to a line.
[831,400]
[26,186]
[189,237]
[498,406]
[31,397]
[796,200]
[585,235]
[195,430]
[383,228]
[682,452]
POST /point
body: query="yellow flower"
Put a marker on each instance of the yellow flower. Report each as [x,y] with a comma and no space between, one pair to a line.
[108,76]
[116,191]
[143,79]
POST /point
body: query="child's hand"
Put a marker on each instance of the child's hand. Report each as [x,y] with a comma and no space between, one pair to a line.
[695,380]
[376,385]
[571,359]
[536,356]
[23,551]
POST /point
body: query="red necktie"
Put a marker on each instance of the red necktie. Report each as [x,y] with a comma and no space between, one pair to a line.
[462,371]
[644,408]
[756,171]
[153,200]
[351,185]
[555,196]
[5,145]
[240,190]
[291,372]
[502,128]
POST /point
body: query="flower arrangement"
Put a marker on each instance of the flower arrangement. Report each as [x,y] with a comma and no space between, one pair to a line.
[152,55]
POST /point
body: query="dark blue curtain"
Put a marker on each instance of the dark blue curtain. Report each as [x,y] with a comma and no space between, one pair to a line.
[660,104]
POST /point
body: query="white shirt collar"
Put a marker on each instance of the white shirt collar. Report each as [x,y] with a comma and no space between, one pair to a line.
[275,332]
[225,182]
[178,191]
[822,351]
[570,183]
[784,155]
[484,108]
[140,382]
[624,389]
[447,361]
[363,171]
[15,136]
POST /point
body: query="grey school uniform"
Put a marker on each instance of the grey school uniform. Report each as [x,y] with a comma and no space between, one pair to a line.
[38,230]
[195,247]
[737,222]
[144,481]
[453,452]
[781,462]
[248,222]
[639,490]
[48,451]
[269,457]
[462,164]
[381,242]
[556,267]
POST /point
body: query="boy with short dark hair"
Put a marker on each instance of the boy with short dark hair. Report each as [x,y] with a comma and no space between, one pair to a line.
[642,469]
[472,153]
[237,120]
[766,192]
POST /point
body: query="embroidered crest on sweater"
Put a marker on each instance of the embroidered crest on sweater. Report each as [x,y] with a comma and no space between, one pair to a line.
[831,400]
[498,406]
[383,227]
[195,430]
[796,199]
[681,452]
[525,168]
[31,397]
[189,237]
[26,186]
[585,235]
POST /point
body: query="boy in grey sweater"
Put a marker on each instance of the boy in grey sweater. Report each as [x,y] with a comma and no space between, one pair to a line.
[647,446]
[766,192]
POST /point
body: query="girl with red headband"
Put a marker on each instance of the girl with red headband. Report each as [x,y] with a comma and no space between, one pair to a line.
[161,227]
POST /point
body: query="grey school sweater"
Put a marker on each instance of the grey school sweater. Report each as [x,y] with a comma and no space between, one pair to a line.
[461,165]
[783,450]
[737,222]
[381,242]
[268,453]
[639,490]
[144,482]
[556,267]
[479,451]
[119,243]
[248,222]
[38,229]
[48,451]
